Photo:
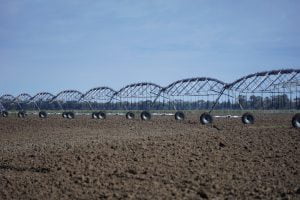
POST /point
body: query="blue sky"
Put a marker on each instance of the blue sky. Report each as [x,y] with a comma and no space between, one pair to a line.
[75,44]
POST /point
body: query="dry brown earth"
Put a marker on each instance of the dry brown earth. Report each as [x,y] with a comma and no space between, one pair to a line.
[82,158]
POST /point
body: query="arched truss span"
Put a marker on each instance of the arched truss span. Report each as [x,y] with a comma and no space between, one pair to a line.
[192,93]
[42,100]
[6,101]
[194,87]
[98,94]
[22,101]
[68,99]
[97,98]
[266,81]
[68,95]
[268,90]
[7,98]
[139,96]
[140,90]
[42,96]
[23,98]
[10,102]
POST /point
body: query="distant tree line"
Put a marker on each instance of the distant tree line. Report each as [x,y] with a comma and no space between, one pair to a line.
[252,102]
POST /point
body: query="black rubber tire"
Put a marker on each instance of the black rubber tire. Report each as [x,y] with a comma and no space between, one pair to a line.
[70,115]
[101,115]
[130,115]
[94,115]
[43,114]
[64,114]
[248,118]
[145,115]
[4,114]
[296,120]
[179,116]
[21,114]
[206,118]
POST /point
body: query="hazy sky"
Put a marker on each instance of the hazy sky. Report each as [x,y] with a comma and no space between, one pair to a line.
[80,44]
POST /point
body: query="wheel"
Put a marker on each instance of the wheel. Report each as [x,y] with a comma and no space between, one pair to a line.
[70,115]
[145,115]
[21,114]
[130,115]
[179,116]
[4,114]
[101,115]
[248,118]
[206,118]
[42,114]
[296,121]
[94,115]
[64,115]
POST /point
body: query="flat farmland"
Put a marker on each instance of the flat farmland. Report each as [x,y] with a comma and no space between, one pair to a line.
[85,158]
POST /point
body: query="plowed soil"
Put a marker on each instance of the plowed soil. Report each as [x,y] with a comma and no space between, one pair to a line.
[116,158]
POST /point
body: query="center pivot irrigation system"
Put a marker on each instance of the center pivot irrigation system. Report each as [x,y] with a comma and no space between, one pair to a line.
[269,91]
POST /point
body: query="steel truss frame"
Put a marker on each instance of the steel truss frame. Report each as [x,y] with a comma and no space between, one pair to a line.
[192,93]
[98,98]
[268,90]
[20,100]
[2,108]
[276,89]
[6,100]
[137,96]
[7,97]
[41,98]
[67,99]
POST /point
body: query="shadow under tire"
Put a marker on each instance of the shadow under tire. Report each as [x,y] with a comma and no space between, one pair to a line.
[248,118]
[130,115]
[21,114]
[43,114]
[206,118]
[296,120]
[101,115]
[179,116]
[145,115]
[4,114]
[70,115]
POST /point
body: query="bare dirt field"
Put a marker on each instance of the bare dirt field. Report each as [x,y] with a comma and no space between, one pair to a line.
[116,158]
